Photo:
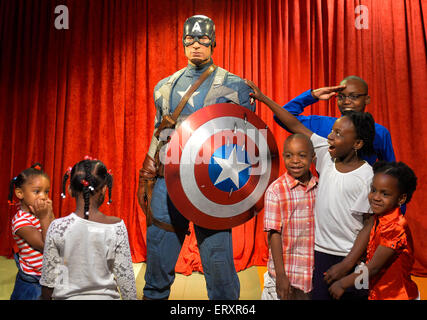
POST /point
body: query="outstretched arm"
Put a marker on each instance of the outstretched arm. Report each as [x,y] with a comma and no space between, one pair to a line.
[292,123]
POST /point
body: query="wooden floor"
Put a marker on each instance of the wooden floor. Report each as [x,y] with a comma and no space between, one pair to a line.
[191,287]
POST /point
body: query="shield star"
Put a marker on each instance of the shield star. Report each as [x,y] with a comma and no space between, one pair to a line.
[231,168]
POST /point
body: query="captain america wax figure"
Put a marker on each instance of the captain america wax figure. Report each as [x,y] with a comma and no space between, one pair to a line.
[166,227]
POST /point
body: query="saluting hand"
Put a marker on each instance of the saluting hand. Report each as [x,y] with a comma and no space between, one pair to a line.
[327,92]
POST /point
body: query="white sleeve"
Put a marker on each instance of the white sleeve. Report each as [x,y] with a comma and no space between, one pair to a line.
[122,268]
[361,205]
[51,259]
[321,146]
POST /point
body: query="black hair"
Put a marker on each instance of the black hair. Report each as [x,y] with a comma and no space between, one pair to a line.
[17,182]
[87,177]
[365,130]
[300,136]
[357,78]
[406,178]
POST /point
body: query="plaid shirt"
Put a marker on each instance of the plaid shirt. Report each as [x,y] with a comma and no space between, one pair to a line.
[289,209]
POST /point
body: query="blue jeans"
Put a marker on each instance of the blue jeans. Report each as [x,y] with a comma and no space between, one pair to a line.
[163,248]
[27,287]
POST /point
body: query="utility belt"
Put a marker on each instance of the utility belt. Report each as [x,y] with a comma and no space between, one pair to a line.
[161,171]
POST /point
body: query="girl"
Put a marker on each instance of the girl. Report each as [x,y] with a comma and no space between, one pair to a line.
[29,227]
[389,258]
[87,254]
[342,219]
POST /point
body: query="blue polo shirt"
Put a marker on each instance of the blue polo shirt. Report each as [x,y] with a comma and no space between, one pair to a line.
[322,125]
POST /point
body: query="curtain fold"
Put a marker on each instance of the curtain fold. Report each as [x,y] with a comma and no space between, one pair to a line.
[89,89]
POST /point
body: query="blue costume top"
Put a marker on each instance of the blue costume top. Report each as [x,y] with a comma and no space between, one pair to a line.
[322,125]
[220,87]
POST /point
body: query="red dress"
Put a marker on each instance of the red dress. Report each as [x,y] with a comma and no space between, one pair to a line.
[394,281]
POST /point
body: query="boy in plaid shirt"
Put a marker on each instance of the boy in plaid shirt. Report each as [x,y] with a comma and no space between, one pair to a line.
[289,221]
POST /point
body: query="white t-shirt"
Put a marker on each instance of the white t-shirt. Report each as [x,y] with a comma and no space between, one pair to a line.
[342,199]
[84,259]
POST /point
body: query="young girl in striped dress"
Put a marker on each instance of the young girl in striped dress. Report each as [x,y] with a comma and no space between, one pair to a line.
[29,227]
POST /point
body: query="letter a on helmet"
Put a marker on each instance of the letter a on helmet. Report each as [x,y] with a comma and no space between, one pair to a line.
[198,26]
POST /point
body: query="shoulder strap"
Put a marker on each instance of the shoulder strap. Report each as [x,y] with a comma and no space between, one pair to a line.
[168,121]
[190,91]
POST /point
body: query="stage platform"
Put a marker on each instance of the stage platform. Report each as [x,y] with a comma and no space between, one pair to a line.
[190,287]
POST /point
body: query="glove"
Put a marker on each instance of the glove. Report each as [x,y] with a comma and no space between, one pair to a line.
[147,178]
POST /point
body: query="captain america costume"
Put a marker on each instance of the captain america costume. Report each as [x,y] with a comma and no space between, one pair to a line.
[215,246]
[227,87]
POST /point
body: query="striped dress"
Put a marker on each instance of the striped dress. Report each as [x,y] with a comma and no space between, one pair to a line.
[30,260]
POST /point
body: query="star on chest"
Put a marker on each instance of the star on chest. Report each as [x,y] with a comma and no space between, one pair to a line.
[191,99]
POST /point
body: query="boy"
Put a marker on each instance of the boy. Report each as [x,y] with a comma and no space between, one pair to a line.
[289,221]
[351,94]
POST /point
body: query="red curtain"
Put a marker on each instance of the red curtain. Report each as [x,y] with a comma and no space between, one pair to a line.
[89,89]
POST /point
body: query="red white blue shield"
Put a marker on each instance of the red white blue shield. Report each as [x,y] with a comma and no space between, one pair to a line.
[218,164]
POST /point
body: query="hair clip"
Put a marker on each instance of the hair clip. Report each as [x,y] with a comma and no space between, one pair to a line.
[62,195]
[37,167]
[15,178]
[91,188]
[84,182]
[87,157]
[11,202]
[69,170]
[110,172]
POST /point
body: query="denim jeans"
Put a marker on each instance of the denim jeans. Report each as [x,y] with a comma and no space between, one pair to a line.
[163,248]
[27,287]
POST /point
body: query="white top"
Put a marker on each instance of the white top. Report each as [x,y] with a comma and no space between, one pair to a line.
[342,199]
[84,259]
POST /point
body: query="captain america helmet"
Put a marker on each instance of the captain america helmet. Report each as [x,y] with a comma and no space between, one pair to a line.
[195,28]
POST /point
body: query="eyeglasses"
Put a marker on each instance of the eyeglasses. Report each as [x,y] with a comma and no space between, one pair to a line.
[352,97]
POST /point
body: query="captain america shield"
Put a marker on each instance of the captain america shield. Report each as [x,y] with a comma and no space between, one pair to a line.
[218,164]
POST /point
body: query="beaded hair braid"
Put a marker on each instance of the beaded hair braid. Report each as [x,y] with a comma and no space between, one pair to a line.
[87,177]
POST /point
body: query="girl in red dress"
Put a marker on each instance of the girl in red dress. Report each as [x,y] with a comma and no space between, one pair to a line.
[390,253]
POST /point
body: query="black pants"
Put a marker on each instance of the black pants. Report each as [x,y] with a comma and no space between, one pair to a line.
[322,262]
